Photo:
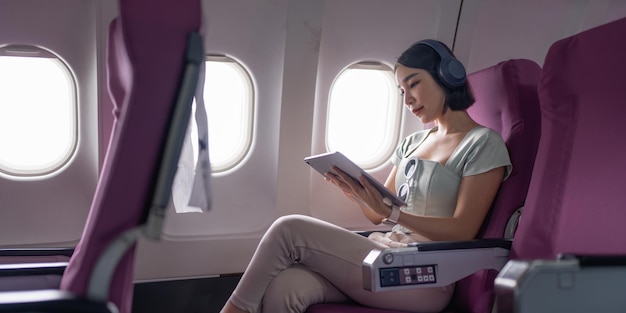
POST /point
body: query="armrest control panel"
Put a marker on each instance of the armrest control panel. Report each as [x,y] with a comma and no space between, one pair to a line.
[411,267]
[408,275]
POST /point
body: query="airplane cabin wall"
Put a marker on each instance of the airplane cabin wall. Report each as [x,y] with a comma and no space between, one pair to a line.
[491,31]
[52,211]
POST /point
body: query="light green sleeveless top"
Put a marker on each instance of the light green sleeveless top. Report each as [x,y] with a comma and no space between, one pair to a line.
[433,188]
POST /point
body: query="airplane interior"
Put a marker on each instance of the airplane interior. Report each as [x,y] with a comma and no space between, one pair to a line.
[147,146]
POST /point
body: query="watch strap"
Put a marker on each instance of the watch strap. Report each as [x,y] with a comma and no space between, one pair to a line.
[392,219]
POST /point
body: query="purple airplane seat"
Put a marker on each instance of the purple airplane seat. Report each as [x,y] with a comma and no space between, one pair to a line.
[575,205]
[506,101]
[154,52]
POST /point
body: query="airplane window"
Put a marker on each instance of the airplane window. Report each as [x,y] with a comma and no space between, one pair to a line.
[364,114]
[38,112]
[229,101]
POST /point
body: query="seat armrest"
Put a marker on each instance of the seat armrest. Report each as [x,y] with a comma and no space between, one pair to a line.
[571,283]
[431,264]
[51,301]
[27,269]
[37,252]
[585,260]
[31,276]
[458,245]
[35,255]
[365,233]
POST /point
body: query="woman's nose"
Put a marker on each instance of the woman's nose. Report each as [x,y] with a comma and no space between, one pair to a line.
[408,99]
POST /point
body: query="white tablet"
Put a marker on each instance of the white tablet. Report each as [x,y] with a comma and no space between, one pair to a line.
[323,163]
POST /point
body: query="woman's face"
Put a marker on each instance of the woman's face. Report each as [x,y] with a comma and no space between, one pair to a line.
[422,94]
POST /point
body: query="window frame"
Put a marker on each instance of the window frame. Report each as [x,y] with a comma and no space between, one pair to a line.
[65,158]
[249,123]
[395,120]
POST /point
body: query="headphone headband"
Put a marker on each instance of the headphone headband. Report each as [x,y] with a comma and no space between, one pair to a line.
[450,70]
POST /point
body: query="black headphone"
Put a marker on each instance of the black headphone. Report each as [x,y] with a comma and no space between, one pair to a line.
[451,71]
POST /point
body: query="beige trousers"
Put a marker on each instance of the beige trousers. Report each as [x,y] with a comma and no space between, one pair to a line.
[301,261]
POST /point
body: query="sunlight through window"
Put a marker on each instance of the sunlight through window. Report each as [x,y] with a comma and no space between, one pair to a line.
[364,114]
[38,122]
[229,100]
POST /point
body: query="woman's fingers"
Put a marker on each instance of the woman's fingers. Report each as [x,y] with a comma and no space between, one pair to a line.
[375,198]
[361,188]
[339,182]
[344,179]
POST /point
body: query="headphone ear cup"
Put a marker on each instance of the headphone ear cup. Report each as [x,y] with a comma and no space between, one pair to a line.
[452,72]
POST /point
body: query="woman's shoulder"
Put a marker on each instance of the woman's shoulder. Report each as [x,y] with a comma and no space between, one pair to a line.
[486,134]
[485,150]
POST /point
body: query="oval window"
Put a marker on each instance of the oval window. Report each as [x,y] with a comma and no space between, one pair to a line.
[38,112]
[364,112]
[229,102]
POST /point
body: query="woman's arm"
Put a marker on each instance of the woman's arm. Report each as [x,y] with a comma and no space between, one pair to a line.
[476,193]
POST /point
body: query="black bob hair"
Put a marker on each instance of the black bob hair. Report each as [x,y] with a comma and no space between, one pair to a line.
[426,58]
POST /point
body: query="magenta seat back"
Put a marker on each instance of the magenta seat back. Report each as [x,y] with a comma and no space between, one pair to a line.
[119,68]
[576,201]
[146,62]
[506,101]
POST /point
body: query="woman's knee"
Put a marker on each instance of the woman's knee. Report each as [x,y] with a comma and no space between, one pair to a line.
[288,224]
[291,221]
[296,288]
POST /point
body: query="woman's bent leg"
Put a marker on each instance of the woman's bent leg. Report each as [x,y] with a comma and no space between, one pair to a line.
[295,288]
[333,252]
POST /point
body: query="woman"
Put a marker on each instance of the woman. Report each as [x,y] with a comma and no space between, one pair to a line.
[448,175]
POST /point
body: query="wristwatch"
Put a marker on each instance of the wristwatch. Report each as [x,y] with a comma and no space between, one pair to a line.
[392,220]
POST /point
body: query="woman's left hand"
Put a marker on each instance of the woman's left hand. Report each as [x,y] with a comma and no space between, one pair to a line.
[340,181]
[361,189]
